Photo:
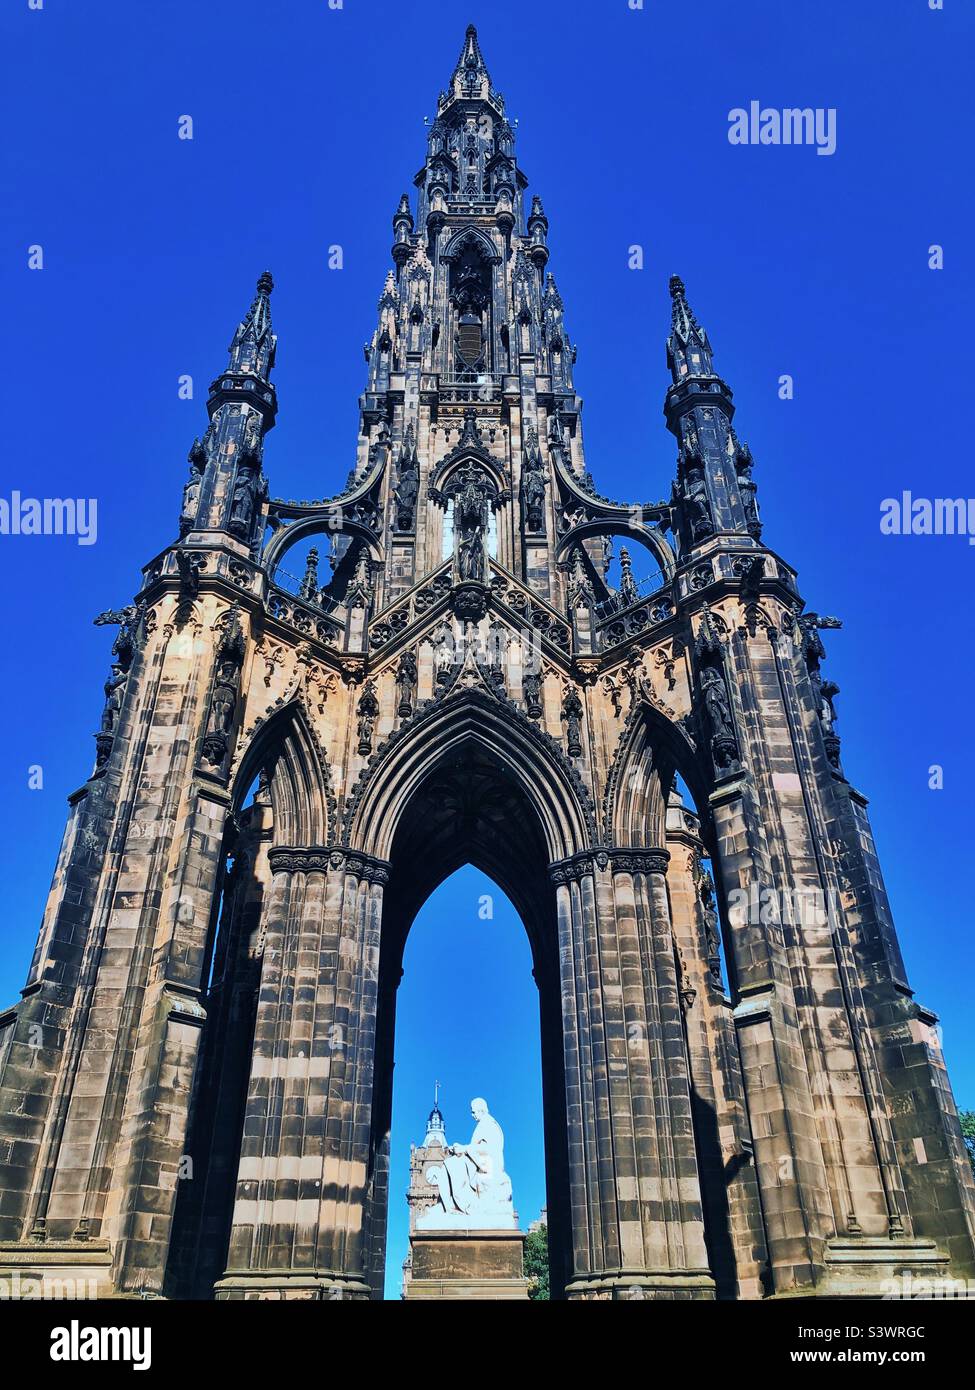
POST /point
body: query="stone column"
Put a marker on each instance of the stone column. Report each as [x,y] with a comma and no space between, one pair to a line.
[304,1168]
[638,1228]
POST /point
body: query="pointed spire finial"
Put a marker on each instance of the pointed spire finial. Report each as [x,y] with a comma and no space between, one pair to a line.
[471,67]
[308,588]
[629,589]
[252,349]
[688,349]
[436,1134]
[682,318]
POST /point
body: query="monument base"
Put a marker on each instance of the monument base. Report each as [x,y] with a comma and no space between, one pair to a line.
[466,1264]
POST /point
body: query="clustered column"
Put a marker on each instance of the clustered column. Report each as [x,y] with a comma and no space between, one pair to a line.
[638,1226]
[304,1168]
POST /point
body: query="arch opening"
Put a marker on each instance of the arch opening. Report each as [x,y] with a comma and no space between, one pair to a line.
[470,810]
[466,1026]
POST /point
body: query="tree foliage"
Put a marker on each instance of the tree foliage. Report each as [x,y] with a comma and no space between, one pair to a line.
[967,1118]
[536,1263]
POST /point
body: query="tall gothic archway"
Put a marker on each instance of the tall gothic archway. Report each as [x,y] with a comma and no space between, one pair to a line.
[469,808]
[469,779]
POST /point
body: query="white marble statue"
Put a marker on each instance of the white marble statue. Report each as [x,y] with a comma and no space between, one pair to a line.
[474,1190]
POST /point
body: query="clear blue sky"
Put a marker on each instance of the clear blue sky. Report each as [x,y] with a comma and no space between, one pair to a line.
[308,125]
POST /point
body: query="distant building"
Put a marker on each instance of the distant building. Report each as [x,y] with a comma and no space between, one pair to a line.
[420,1194]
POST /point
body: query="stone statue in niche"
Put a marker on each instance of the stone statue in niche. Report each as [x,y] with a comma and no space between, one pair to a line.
[406,677]
[243,501]
[444,654]
[470,553]
[533,483]
[572,719]
[712,932]
[743,469]
[194,485]
[408,484]
[473,1188]
[471,493]
[222,708]
[405,493]
[715,700]
[368,712]
[531,685]
[114,689]
[696,505]
[223,701]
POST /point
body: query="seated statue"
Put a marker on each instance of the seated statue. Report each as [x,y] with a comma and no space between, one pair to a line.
[474,1190]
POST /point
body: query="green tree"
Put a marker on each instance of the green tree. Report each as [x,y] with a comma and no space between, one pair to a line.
[536,1263]
[967,1118]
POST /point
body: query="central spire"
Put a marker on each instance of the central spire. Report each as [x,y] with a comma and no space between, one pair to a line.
[471,66]
[470,80]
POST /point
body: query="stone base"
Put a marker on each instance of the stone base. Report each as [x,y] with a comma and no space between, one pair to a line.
[664,1284]
[879,1267]
[56,1269]
[289,1285]
[467,1264]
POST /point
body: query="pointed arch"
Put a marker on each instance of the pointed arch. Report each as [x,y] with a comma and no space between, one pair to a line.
[325,521]
[651,751]
[444,729]
[470,238]
[651,538]
[286,747]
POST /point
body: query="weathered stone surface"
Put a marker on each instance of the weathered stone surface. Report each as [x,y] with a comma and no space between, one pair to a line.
[479,1264]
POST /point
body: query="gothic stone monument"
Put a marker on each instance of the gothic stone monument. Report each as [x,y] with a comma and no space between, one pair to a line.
[195,1087]
[464,1236]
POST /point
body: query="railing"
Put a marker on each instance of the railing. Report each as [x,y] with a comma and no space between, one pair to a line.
[290,584]
[471,386]
[642,588]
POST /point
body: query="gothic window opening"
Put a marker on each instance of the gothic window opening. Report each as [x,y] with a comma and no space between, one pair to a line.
[470,302]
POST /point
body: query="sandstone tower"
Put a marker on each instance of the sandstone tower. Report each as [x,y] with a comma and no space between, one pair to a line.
[195,1087]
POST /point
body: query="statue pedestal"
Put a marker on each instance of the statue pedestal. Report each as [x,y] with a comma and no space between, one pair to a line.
[467,1264]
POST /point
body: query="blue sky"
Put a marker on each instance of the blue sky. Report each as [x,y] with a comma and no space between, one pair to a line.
[308,124]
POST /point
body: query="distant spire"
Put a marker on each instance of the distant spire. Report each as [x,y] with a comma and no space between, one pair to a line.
[436,1131]
[309,584]
[390,295]
[552,298]
[688,349]
[629,590]
[252,349]
[402,231]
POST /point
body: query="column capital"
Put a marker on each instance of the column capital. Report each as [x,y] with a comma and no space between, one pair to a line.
[310,859]
[639,860]
[582,865]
